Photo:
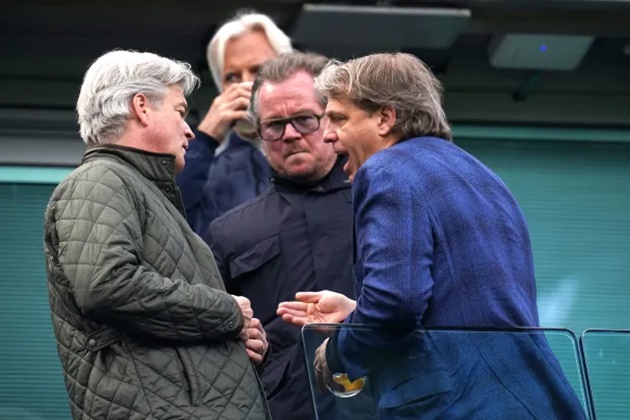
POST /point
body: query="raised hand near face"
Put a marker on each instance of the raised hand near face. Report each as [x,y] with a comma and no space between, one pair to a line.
[230,106]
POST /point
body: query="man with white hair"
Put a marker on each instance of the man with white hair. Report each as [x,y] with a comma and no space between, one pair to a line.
[144,326]
[225,168]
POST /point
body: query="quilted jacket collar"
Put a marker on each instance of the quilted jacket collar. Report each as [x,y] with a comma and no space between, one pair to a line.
[157,167]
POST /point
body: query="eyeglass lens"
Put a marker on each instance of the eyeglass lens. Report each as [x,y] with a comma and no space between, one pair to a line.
[303,124]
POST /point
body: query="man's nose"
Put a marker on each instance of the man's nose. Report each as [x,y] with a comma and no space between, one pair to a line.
[188,132]
[290,133]
[329,136]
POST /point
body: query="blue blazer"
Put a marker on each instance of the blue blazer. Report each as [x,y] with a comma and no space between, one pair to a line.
[441,242]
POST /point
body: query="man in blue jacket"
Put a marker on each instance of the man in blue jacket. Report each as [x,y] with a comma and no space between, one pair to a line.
[439,242]
[224,166]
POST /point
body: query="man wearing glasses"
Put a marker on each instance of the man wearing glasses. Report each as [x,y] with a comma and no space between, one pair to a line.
[297,235]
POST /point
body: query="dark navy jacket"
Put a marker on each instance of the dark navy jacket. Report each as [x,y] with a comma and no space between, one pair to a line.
[291,238]
[211,185]
[440,241]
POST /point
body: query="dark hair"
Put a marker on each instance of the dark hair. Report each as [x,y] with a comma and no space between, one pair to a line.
[281,68]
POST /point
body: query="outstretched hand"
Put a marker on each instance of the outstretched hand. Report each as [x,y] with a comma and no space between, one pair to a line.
[324,307]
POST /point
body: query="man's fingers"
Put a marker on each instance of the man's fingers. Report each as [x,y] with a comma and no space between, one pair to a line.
[236,91]
[244,334]
[255,345]
[238,104]
[292,312]
[308,297]
[254,357]
[255,334]
[255,323]
[294,305]
[319,378]
[234,115]
[295,320]
[238,86]
[232,99]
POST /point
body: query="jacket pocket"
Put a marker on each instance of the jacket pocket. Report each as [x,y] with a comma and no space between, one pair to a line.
[189,377]
[255,256]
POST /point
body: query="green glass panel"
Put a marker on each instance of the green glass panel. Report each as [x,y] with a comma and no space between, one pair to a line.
[31,382]
[575,197]
[607,358]
[32,175]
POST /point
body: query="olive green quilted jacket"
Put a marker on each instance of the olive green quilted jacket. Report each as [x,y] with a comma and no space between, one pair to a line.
[144,327]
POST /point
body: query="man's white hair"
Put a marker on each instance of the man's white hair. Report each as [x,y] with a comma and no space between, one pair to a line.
[242,23]
[111,82]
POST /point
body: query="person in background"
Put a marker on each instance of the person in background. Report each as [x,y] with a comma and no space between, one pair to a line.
[144,326]
[439,242]
[225,167]
[298,234]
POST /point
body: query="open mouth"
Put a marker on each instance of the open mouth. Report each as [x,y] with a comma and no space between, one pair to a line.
[341,152]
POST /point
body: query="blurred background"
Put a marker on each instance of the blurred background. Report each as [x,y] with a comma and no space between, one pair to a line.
[537,89]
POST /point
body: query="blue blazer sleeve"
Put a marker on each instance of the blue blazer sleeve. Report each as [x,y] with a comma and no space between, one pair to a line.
[191,180]
[394,251]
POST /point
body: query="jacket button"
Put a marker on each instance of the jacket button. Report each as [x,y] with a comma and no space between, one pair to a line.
[91,342]
[231,325]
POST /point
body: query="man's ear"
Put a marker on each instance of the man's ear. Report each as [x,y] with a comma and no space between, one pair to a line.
[140,108]
[386,120]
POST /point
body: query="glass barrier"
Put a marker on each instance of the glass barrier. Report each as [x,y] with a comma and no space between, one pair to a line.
[607,359]
[445,373]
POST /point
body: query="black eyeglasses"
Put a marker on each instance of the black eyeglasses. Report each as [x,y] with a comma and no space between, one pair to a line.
[273,130]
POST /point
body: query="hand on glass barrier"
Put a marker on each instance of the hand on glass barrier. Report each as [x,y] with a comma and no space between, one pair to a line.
[337,383]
